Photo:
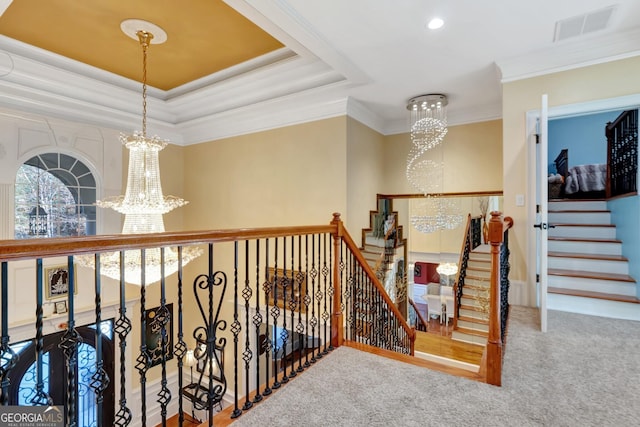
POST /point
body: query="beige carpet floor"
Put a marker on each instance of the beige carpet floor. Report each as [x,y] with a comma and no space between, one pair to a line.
[584,372]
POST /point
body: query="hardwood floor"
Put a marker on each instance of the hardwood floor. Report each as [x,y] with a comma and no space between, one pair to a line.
[437,341]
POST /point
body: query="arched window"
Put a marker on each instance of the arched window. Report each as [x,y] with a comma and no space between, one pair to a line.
[55,196]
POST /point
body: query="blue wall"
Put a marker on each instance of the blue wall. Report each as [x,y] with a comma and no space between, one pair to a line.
[623,215]
[582,135]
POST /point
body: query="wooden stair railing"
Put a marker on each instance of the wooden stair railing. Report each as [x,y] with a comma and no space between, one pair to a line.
[472,236]
[498,310]
[264,273]
[422,325]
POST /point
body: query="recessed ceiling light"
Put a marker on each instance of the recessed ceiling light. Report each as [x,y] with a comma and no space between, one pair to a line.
[435,23]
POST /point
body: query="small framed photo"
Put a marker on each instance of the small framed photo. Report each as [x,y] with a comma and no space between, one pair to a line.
[56,282]
[61,307]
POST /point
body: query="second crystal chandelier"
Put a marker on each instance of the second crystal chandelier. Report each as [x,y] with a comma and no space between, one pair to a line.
[424,173]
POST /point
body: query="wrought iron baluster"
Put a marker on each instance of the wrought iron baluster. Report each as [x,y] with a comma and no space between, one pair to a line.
[284,334]
[331,289]
[181,347]
[162,318]
[69,345]
[142,362]
[275,314]
[7,355]
[99,380]
[247,355]
[300,277]
[307,300]
[207,397]
[267,288]
[325,313]
[122,328]
[315,321]
[292,310]
[257,322]
[40,397]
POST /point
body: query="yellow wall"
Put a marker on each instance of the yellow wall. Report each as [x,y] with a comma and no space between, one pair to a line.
[587,84]
[288,176]
[365,175]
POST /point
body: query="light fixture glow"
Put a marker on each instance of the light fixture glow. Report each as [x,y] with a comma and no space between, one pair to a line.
[435,23]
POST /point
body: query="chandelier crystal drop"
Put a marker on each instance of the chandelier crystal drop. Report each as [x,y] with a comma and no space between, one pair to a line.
[428,129]
[143,203]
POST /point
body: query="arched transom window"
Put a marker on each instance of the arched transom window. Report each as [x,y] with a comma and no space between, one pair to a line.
[55,196]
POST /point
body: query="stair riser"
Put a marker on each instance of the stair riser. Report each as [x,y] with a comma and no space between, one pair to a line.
[472,325]
[574,206]
[580,218]
[466,292]
[479,264]
[468,338]
[591,248]
[471,302]
[584,232]
[479,256]
[477,274]
[593,285]
[474,314]
[592,265]
[477,282]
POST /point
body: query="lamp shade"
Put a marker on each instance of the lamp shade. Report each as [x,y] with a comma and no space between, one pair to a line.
[189,359]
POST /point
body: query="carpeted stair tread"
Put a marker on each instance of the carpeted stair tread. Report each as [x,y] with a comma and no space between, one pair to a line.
[590,275]
[596,295]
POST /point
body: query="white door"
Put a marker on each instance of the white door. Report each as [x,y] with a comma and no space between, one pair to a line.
[542,224]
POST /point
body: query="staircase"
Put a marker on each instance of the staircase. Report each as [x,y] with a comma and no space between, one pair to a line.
[472,326]
[586,270]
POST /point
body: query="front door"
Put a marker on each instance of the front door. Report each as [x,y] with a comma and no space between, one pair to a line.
[54,376]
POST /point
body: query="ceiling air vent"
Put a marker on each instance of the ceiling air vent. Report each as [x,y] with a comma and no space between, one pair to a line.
[583,24]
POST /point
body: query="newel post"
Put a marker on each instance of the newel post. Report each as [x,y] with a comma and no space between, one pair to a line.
[337,321]
[494,344]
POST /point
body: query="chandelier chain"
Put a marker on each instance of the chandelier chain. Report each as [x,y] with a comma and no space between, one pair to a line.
[145,39]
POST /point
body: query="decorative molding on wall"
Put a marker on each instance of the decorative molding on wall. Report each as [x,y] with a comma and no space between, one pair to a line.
[570,55]
[7,210]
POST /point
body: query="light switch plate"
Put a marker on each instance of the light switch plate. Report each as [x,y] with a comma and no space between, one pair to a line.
[519,199]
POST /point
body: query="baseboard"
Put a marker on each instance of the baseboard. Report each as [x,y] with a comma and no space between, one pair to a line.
[519,294]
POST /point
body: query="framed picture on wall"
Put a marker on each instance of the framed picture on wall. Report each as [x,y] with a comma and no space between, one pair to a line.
[155,319]
[56,282]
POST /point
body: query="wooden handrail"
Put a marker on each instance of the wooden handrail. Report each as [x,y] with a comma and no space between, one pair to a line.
[493,359]
[12,250]
[346,238]
[453,194]
[420,318]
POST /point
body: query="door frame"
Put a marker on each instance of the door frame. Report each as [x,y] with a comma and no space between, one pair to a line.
[557,112]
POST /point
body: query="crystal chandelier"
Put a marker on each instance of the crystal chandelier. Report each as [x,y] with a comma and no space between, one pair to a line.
[428,129]
[143,203]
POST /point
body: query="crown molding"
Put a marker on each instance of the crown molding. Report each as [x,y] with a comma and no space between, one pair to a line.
[358,111]
[294,31]
[571,54]
[297,108]
[41,82]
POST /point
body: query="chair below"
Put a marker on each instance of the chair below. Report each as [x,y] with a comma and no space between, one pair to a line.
[439,301]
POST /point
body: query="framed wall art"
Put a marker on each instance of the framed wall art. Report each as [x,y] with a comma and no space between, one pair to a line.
[155,318]
[56,282]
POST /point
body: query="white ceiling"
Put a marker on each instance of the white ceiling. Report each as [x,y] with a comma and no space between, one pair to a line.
[365,58]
